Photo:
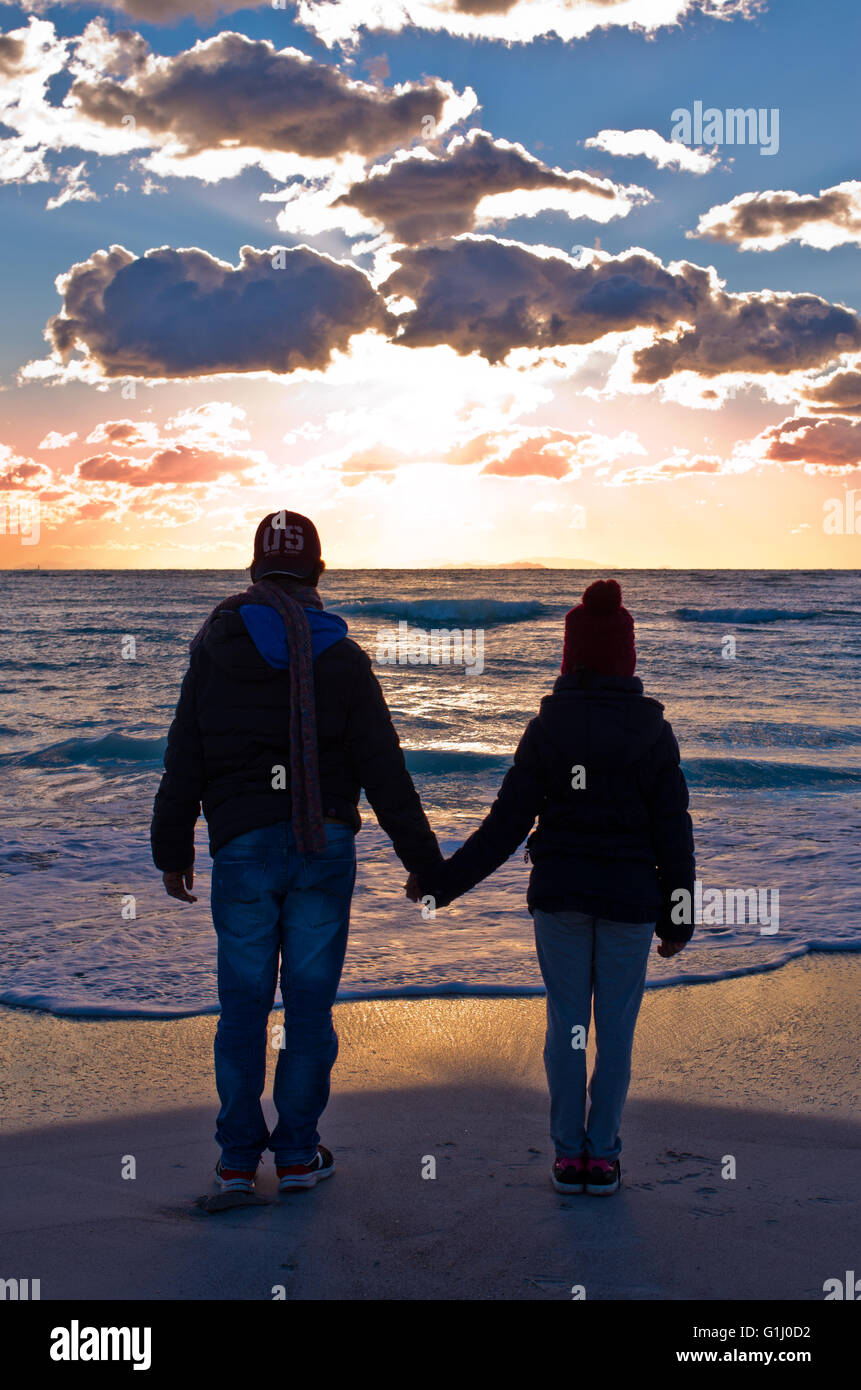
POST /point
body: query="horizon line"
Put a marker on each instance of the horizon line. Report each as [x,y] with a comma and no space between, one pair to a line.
[428,569]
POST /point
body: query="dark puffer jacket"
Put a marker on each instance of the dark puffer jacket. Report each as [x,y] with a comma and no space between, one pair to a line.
[615,847]
[231,729]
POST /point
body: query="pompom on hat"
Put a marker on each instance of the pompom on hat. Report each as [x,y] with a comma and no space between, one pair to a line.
[599,633]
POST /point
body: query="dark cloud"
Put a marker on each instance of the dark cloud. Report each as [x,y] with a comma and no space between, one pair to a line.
[838,394]
[231,91]
[758,221]
[483,295]
[171,11]
[755,332]
[488,6]
[420,199]
[12,53]
[480,294]
[184,314]
[831,445]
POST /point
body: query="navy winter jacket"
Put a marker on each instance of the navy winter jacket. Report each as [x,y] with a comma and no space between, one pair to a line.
[231,729]
[616,846]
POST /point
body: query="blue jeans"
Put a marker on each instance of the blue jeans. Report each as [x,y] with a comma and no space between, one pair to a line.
[582,959]
[268,900]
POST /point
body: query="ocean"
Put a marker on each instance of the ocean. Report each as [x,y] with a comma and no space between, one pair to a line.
[759,673]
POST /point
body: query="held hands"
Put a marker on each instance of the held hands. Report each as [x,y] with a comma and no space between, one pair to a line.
[427,901]
[177,883]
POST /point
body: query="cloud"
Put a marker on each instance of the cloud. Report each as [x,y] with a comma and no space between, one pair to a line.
[130,434]
[830,445]
[20,474]
[208,112]
[486,295]
[211,423]
[839,393]
[379,460]
[681,464]
[766,221]
[169,486]
[512,21]
[230,92]
[757,332]
[156,509]
[35,129]
[543,452]
[75,188]
[171,11]
[512,452]
[183,313]
[12,55]
[29,58]
[194,451]
[421,196]
[537,456]
[168,466]
[483,294]
[54,440]
[667,154]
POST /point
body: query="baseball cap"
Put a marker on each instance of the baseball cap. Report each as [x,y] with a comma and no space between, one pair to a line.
[285,543]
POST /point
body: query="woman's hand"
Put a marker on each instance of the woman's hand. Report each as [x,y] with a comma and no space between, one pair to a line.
[411,888]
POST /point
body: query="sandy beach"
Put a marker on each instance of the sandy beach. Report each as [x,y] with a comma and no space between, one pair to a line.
[760,1068]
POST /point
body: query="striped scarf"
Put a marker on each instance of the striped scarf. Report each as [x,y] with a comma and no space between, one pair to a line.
[305,795]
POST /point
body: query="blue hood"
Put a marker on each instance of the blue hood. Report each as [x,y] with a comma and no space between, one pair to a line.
[266,630]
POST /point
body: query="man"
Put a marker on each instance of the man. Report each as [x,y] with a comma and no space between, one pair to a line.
[280,724]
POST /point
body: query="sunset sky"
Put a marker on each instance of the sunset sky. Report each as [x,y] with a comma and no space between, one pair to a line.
[510,317]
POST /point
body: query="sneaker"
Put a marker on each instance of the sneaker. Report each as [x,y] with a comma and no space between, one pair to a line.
[234,1179]
[569,1174]
[295,1175]
[603,1176]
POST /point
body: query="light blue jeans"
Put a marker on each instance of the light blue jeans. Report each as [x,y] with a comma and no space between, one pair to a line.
[269,901]
[583,960]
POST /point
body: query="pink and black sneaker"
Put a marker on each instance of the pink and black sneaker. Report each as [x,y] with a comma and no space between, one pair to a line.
[569,1174]
[296,1175]
[603,1176]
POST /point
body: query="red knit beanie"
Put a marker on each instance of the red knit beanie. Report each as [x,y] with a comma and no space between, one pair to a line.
[599,633]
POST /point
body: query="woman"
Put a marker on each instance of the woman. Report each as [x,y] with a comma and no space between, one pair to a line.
[599,767]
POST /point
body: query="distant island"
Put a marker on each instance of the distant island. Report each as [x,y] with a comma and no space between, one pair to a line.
[548,562]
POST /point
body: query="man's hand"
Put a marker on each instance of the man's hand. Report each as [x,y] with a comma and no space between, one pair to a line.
[671,948]
[411,888]
[177,883]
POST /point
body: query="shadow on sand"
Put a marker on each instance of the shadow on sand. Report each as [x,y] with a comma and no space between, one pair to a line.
[488,1226]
